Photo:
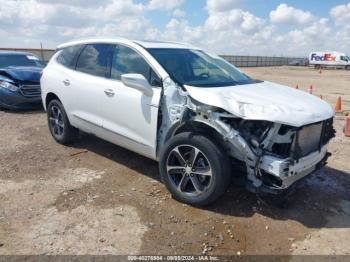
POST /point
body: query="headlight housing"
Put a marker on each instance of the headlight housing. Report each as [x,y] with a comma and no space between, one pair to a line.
[8,86]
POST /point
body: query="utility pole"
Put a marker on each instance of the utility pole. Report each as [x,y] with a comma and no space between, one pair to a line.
[42,51]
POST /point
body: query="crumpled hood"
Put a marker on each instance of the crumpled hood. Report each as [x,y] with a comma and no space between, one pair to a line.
[265,101]
[31,74]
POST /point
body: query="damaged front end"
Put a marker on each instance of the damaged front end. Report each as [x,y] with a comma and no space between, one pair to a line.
[272,156]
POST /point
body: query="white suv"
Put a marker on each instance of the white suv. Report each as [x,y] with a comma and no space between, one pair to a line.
[205,121]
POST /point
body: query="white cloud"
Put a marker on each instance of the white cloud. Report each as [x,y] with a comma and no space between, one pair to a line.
[310,38]
[222,5]
[232,32]
[341,17]
[75,2]
[285,14]
[117,8]
[341,14]
[228,29]
[179,13]
[164,4]
[177,30]
[41,20]
[235,19]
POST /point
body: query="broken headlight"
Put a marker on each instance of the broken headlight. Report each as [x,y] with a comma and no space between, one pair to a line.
[8,86]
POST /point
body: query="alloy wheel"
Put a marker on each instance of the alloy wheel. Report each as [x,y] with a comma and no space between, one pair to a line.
[189,170]
[56,121]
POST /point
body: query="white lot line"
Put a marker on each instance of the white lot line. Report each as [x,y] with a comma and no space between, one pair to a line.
[31,224]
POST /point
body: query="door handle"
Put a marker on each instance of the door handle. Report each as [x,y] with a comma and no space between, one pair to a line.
[66,82]
[109,92]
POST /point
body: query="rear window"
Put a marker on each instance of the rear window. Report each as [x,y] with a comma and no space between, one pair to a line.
[20,60]
[94,60]
[68,56]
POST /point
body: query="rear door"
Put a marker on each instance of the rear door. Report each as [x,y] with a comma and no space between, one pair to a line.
[56,75]
[87,84]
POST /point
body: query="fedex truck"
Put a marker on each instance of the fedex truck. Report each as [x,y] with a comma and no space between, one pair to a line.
[329,59]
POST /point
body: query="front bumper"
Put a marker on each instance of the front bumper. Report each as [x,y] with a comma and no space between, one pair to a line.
[280,174]
[15,100]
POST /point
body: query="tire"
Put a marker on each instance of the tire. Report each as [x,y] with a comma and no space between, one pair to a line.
[200,181]
[347,67]
[59,126]
[317,66]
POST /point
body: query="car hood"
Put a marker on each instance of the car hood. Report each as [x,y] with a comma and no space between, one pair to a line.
[265,101]
[31,74]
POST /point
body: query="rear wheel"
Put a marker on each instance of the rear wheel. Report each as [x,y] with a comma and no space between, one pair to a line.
[59,125]
[194,169]
[317,66]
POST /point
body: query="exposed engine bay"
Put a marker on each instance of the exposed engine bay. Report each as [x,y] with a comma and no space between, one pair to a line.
[272,156]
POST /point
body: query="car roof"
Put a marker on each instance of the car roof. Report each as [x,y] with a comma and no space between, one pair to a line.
[4,52]
[144,43]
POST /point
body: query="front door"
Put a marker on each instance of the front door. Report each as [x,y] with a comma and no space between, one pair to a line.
[129,116]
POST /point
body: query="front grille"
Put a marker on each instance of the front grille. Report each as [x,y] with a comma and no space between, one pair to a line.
[308,139]
[30,90]
[312,137]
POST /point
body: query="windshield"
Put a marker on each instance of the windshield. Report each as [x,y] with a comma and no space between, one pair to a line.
[20,60]
[197,68]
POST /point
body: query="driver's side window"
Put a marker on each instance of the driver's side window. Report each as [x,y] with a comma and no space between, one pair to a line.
[127,61]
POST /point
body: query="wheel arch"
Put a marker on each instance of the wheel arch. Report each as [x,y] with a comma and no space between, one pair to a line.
[49,97]
[195,126]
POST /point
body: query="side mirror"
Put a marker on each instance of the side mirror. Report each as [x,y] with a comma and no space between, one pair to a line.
[137,81]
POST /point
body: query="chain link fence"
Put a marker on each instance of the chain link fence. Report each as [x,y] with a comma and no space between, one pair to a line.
[255,61]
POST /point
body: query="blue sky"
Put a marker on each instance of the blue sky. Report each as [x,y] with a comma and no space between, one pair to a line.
[241,27]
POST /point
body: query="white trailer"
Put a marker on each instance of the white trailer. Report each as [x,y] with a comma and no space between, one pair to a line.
[329,59]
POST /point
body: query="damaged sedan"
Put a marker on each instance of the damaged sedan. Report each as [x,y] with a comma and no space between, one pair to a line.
[20,80]
[201,118]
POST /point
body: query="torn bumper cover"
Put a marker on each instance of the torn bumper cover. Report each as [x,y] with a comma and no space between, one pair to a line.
[279,174]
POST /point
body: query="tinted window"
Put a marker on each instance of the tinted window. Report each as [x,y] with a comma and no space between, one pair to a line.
[94,60]
[344,58]
[127,61]
[68,56]
[20,60]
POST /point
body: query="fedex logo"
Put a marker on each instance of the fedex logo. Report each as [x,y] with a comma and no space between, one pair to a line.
[325,57]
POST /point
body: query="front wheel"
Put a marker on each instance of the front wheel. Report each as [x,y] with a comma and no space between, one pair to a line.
[59,125]
[194,169]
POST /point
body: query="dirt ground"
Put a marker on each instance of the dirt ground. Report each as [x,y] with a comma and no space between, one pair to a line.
[97,198]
